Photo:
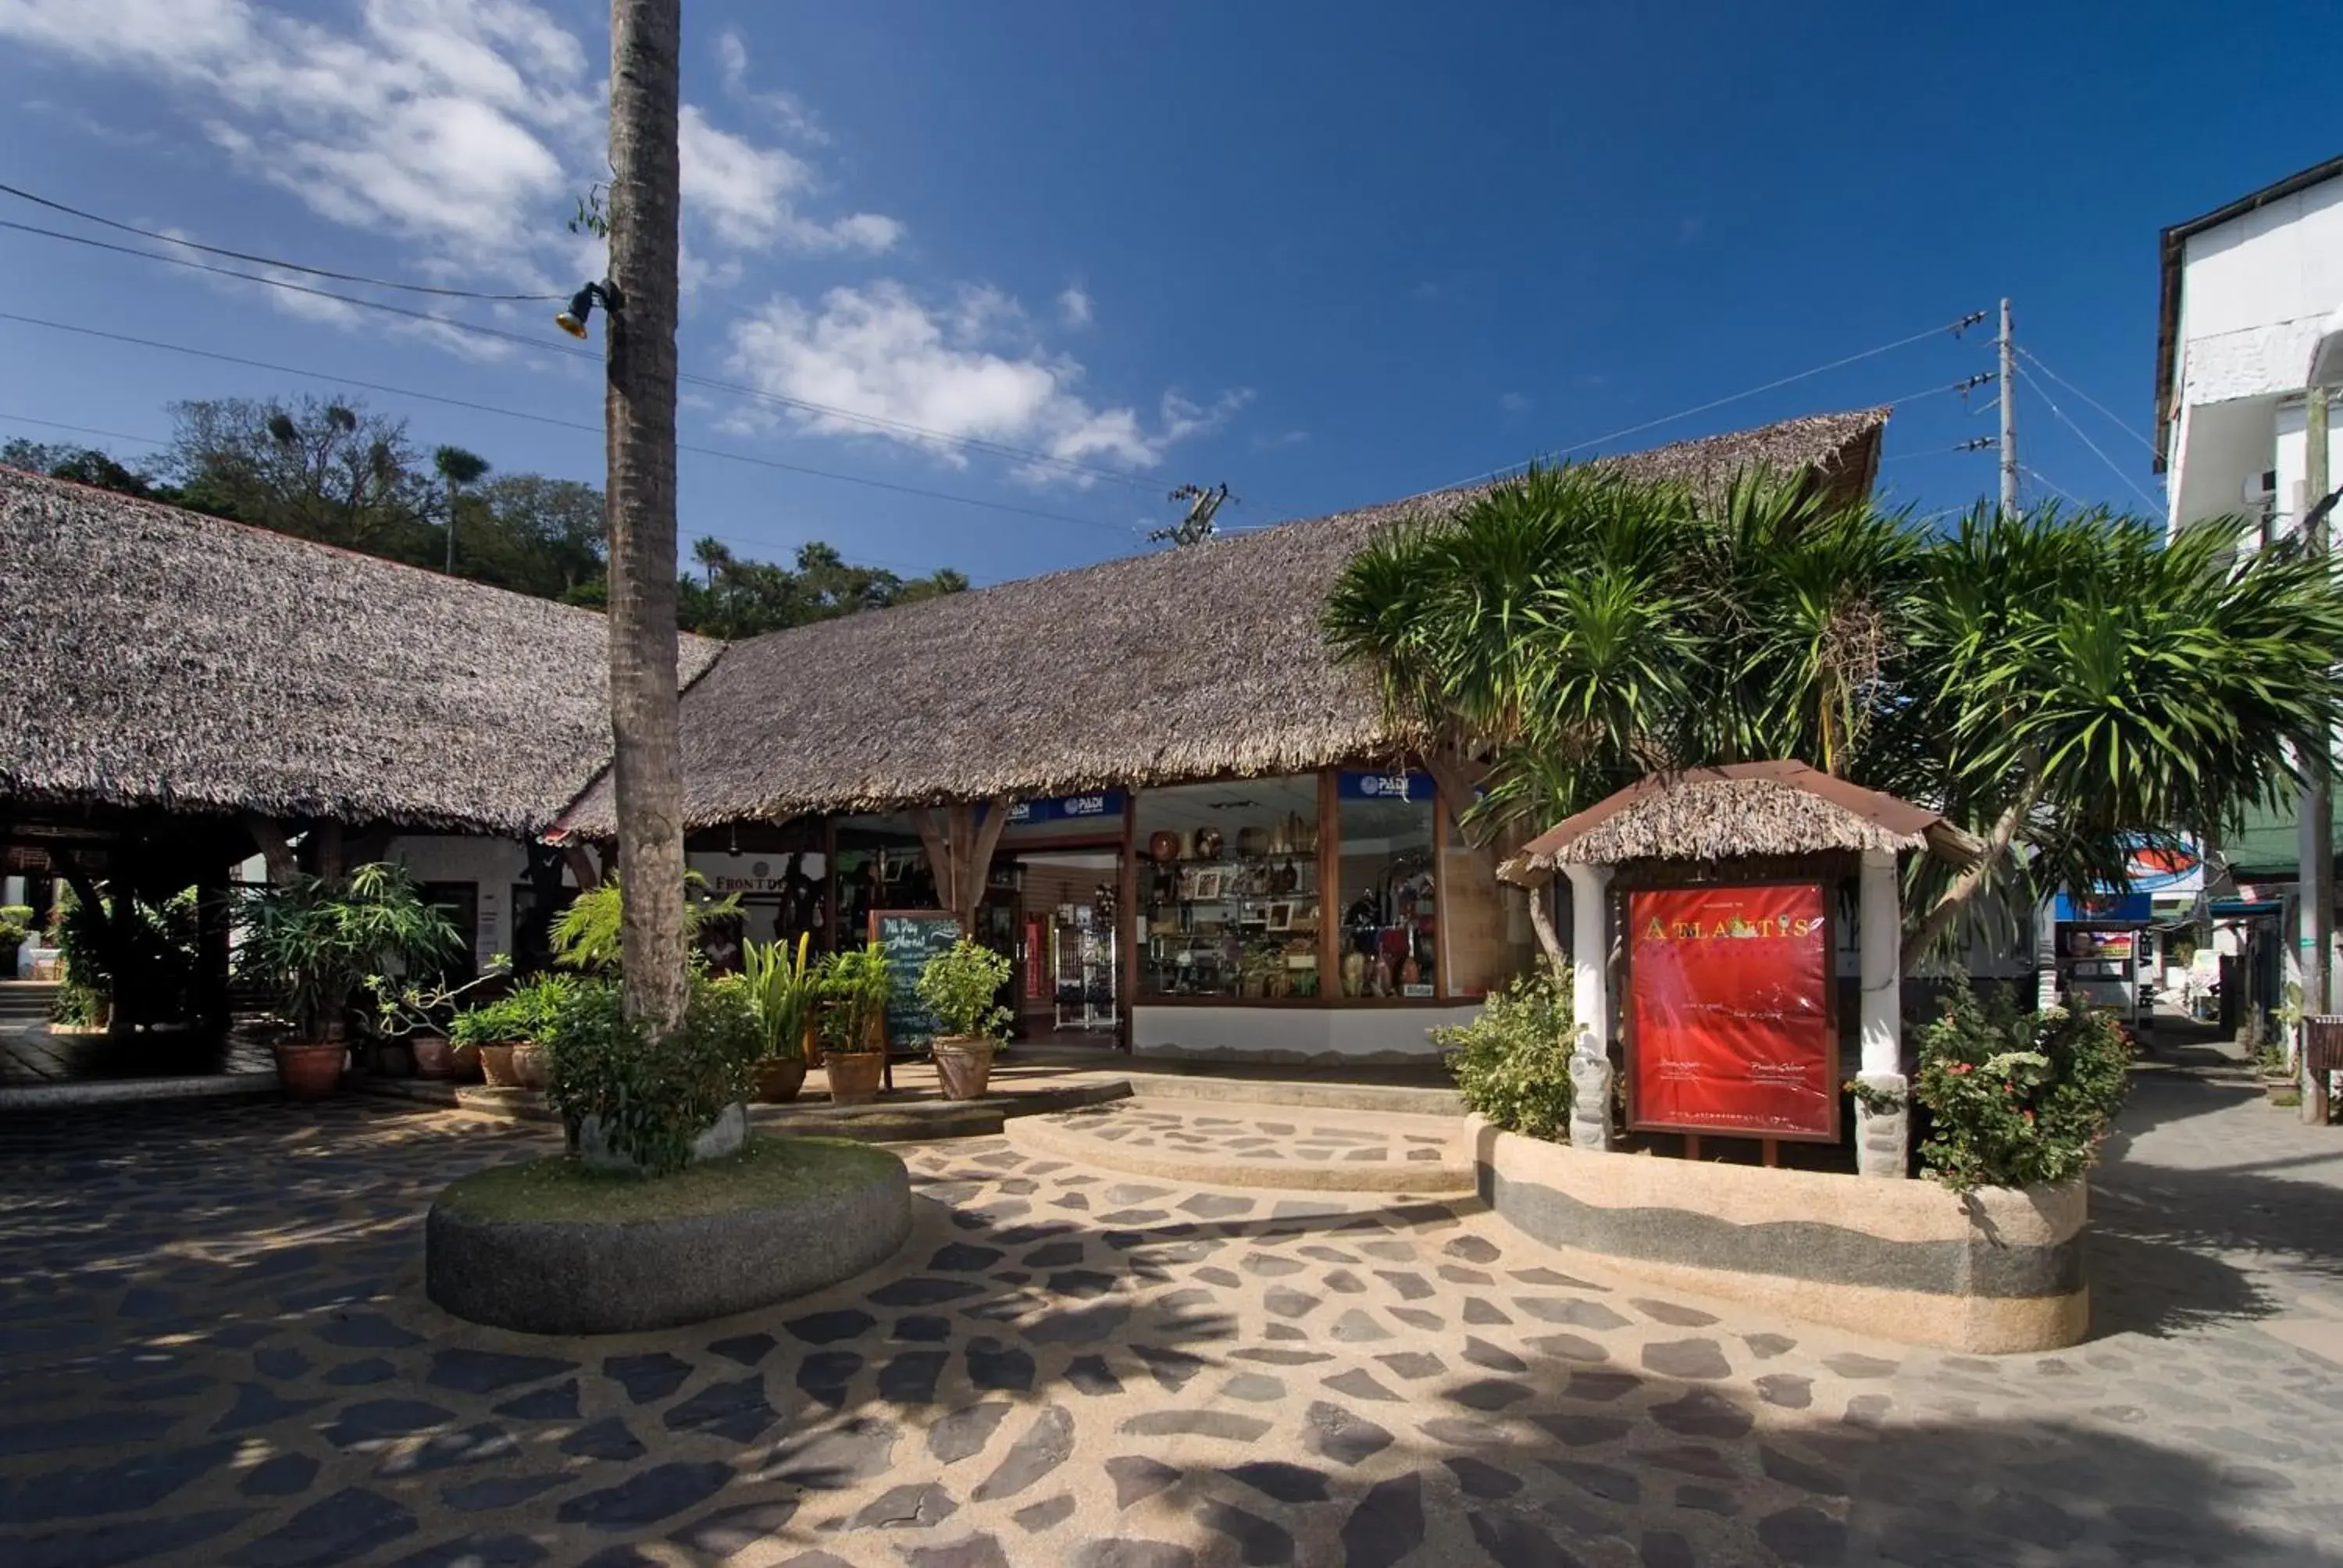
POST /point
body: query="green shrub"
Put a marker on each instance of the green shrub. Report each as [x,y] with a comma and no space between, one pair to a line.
[1511,1063]
[2012,1098]
[958,985]
[586,935]
[15,925]
[529,1014]
[320,939]
[653,1097]
[784,992]
[856,986]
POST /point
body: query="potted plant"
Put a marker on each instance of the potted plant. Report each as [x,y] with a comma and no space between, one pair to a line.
[488,1032]
[417,1018]
[960,985]
[855,986]
[784,995]
[317,940]
[511,1031]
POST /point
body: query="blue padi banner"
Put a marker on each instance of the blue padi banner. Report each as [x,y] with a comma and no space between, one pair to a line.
[2115,910]
[1356,786]
[1066,808]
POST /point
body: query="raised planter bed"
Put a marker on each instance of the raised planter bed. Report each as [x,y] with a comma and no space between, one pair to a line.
[550,1247]
[1997,1270]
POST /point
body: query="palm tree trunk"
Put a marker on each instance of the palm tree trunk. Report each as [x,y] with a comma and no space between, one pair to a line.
[646,41]
[1971,882]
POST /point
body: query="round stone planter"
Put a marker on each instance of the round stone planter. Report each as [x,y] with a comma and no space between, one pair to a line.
[620,1257]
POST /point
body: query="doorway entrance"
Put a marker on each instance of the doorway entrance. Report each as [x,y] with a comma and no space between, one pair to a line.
[1069,978]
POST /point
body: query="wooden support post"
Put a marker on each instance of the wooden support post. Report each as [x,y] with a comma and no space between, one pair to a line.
[938,848]
[1130,933]
[1330,887]
[268,837]
[978,877]
[1691,1145]
[583,869]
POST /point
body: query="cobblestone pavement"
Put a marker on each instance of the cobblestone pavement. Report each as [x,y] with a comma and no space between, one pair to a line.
[1259,1145]
[214,1350]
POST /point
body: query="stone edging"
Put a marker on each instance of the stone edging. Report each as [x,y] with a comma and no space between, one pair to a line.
[1998,1270]
[580,1277]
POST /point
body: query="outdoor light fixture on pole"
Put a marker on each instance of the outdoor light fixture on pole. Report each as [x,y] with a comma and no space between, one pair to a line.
[2317,824]
[581,307]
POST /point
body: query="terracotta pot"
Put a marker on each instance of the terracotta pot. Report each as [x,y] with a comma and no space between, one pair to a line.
[964,1065]
[496,1067]
[434,1057]
[530,1065]
[466,1060]
[779,1077]
[811,1046]
[309,1071]
[854,1076]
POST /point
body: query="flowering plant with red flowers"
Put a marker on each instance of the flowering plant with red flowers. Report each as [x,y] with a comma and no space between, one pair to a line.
[2016,1098]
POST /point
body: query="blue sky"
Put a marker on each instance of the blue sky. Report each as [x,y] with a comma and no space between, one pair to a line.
[1328,253]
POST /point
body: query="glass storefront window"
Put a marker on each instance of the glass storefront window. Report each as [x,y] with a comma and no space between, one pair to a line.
[1388,934]
[1228,889]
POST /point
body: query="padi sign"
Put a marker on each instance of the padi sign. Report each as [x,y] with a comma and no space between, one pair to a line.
[1353,784]
[1066,808]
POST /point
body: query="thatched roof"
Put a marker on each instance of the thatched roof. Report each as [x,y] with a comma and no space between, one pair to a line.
[158,657]
[1750,808]
[1179,665]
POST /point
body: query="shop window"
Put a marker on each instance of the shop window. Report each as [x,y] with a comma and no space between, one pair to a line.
[1229,891]
[1388,942]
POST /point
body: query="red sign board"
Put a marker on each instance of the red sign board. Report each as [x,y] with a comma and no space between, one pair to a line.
[1730,1020]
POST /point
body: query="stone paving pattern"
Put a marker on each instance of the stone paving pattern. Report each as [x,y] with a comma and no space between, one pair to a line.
[216,1350]
[1239,1135]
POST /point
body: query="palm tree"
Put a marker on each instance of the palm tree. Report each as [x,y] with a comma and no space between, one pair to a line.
[644,215]
[713,556]
[456,468]
[2061,684]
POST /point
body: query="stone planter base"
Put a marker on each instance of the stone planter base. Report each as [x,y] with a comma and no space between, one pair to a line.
[606,1277]
[1996,1271]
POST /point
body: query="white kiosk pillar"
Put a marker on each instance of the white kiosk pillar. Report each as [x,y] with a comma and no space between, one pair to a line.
[1882,1137]
[1590,1005]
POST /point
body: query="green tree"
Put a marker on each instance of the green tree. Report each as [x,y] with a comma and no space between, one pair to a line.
[2056,684]
[319,469]
[456,468]
[83,465]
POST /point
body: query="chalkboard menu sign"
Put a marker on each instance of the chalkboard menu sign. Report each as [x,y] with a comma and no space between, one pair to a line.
[910,938]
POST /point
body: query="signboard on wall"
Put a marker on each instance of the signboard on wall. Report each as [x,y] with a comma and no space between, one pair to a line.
[1066,808]
[1730,1023]
[1350,784]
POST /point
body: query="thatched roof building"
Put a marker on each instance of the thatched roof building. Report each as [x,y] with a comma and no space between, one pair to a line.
[1771,810]
[159,658]
[1180,665]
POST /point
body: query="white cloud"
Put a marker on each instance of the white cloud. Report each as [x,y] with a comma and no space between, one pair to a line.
[1074,306]
[467,128]
[788,110]
[890,366]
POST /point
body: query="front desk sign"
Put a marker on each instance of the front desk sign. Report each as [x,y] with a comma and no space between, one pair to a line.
[1729,1012]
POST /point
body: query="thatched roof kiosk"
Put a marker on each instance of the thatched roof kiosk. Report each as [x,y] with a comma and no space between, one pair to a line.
[1180,665]
[169,668]
[1771,811]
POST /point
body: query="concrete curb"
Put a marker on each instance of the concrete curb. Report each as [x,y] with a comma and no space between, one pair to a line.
[1398,1099]
[587,1277]
[129,1090]
[1448,1178]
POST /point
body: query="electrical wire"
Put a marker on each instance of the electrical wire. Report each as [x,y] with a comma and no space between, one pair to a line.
[81,429]
[2052,403]
[262,260]
[2054,487]
[2087,397]
[388,391]
[1971,319]
[541,345]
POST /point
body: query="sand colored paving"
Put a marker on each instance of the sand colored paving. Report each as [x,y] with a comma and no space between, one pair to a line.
[215,1351]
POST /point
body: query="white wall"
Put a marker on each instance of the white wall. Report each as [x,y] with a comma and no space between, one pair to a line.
[1285,1033]
[493,865]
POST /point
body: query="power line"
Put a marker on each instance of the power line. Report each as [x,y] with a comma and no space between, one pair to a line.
[539,344]
[258,260]
[2152,503]
[560,423]
[2054,487]
[81,429]
[2087,397]
[1956,327]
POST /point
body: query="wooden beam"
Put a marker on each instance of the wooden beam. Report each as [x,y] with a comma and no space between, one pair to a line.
[931,839]
[325,849]
[582,865]
[979,874]
[268,837]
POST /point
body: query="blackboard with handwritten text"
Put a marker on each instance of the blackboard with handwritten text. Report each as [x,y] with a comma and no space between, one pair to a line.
[910,938]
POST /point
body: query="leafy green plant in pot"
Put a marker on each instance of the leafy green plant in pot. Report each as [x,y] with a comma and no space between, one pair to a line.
[958,985]
[317,940]
[653,1106]
[784,993]
[855,986]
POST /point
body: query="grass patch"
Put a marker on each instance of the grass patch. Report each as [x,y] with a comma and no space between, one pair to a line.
[2291,1100]
[767,1171]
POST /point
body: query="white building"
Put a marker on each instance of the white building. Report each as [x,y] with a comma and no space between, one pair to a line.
[2246,289]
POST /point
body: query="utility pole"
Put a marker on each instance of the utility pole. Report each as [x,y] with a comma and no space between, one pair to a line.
[638,508]
[2317,870]
[2008,417]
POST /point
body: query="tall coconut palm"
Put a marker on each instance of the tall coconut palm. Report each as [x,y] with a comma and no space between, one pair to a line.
[456,468]
[638,414]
